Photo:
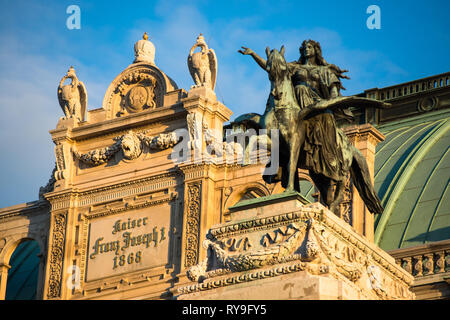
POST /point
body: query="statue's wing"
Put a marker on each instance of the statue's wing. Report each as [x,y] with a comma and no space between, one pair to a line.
[60,99]
[83,100]
[352,101]
[213,67]
[191,67]
[342,103]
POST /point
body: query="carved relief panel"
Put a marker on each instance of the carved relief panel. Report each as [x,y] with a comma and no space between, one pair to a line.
[138,88]
[137,92]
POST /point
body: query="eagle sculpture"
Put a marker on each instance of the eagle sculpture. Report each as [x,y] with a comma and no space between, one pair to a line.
[72,97]
[203,64]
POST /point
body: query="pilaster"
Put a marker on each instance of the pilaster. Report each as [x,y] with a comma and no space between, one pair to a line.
[199,211]
[365,138]
[4,268]
[61,137]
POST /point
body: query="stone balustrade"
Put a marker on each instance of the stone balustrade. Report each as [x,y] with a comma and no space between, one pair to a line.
[410,88]
[428,259]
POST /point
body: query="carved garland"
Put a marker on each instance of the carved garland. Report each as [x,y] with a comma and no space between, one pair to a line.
[193,223]
[131,146]
[57,255]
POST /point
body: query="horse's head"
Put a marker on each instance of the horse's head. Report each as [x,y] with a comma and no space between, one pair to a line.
[278,71]
[276,65]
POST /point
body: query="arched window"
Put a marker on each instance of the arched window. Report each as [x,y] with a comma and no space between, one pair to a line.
[23,276]
[252,193]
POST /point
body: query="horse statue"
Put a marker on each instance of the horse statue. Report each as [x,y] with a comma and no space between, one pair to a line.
[284,113]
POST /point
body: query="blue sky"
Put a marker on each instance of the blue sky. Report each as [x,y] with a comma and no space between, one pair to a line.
[37,49]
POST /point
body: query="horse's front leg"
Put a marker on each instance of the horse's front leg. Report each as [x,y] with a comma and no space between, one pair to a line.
[294,151]
[297,141]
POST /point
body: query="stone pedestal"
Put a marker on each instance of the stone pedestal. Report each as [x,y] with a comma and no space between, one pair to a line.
[289,250]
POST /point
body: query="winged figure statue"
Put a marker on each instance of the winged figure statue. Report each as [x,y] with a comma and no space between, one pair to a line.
[203,64]
[72,97]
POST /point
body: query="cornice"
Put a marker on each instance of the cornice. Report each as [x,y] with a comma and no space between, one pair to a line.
[112,192]
[131,206]
[93,130]
[23,209]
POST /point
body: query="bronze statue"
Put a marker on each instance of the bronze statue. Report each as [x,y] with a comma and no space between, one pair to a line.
[304,98]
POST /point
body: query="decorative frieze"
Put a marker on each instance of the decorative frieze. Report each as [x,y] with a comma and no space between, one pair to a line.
[125,206]
[116,191]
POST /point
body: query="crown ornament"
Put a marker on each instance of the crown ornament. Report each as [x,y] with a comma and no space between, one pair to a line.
[144,50]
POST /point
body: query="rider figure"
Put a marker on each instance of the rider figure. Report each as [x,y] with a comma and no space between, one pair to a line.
[313,80]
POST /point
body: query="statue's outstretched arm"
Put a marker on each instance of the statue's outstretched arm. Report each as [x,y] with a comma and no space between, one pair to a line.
[258,59]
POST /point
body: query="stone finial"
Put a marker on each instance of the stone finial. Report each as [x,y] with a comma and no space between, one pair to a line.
[144,50]
[203,64]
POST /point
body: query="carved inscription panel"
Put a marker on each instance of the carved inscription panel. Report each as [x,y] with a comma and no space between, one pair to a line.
[128,242]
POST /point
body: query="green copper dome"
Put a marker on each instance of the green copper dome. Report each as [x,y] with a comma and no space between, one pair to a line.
[412,172]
